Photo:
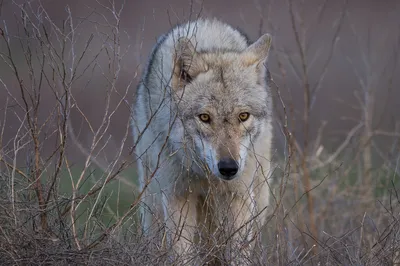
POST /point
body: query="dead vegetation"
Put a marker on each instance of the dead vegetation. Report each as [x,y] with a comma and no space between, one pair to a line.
[336,207]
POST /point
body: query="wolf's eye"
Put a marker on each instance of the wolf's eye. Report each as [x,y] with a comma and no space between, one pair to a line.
[185,76]
[244,116]
[205,118]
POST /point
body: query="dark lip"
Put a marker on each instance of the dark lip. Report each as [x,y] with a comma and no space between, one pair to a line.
[228,178]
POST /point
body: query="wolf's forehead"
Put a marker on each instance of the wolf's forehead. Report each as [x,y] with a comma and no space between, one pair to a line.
[227,98]
[226,61]
[227,78]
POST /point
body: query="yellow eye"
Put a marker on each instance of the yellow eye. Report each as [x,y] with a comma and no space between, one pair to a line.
[244,116]
[205,118]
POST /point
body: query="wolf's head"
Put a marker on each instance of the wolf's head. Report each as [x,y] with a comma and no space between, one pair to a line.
[223,102]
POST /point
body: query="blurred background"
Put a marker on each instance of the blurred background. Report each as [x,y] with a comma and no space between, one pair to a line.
[349,47]
[336,71]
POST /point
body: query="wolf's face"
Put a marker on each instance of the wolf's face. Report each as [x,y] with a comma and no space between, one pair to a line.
[223,105]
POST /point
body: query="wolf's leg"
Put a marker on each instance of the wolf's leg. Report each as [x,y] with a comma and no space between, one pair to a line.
[151,212]
[182,222]
[242,211]
[143,206]
[151,204]
[145,212]
[262,194]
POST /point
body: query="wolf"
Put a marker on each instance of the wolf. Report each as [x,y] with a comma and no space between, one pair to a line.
[202,128]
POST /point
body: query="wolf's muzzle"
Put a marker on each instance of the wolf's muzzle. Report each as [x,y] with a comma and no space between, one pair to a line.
[228,168]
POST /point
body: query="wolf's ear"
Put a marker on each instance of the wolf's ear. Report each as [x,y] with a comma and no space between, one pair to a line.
[257,53]
[187,63]
[185,51]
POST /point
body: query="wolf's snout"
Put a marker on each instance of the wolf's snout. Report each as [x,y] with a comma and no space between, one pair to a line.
[228,167]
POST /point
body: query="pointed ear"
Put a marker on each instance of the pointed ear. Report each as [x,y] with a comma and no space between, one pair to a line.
[187,63]
[185,51]
[258,52]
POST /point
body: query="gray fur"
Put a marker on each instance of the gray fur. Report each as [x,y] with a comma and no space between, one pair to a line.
[204,67]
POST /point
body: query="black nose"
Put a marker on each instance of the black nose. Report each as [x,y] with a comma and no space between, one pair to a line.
[228,167]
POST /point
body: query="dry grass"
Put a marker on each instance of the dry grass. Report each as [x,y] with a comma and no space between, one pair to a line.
[329,208]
